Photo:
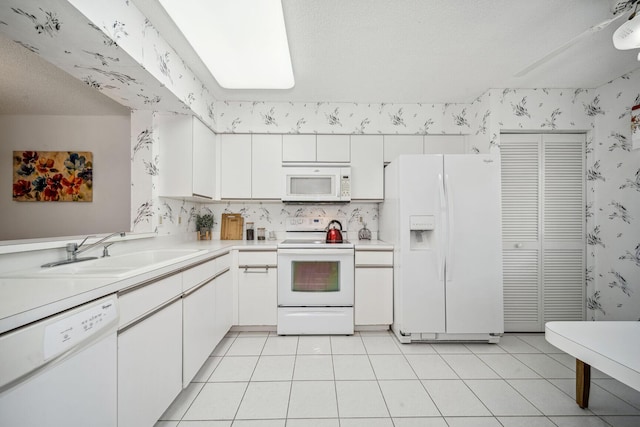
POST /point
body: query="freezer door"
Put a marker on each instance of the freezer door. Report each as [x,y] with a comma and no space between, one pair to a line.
[420,267]
[474,249]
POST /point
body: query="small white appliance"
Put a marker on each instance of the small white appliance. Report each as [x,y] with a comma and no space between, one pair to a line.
[316,183]
[62,370]
[443,215]
[315,281]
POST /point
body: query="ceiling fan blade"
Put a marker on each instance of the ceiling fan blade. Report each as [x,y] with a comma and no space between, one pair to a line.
[557,51]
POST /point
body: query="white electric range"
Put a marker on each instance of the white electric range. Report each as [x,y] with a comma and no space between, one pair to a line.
[315,281]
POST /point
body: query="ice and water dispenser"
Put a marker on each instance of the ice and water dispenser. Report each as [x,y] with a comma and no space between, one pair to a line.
[421,229]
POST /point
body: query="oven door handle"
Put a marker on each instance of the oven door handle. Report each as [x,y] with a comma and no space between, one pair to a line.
[304,251]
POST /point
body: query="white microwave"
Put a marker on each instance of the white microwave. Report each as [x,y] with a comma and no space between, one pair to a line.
[316,184]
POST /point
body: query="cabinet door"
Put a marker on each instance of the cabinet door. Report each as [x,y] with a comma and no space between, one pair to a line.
[298,148]
[333,148]
[258,296]
[224,305]
[175,155]
[149,367]
[266,167]
[367,167]
[445,144]
[394,145]
[204,160]
[198,328]
[374,296]
[235,166]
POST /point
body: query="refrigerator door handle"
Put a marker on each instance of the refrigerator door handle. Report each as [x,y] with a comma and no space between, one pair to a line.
[441,239]
[449,192]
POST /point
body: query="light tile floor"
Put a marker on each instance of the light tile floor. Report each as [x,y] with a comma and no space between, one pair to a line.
[258,379]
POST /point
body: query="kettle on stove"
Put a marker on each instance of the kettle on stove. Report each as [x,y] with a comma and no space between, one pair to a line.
[334,235]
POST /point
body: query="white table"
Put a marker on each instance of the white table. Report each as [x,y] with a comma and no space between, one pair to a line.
[611,347]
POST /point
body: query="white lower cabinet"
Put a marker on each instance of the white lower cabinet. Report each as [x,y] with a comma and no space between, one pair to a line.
[223,305]
[373,288]
[257,288]
[149,366]
[199,329]
[168,329]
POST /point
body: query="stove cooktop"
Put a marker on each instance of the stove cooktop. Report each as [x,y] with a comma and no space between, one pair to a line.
[311,241]
[315,243]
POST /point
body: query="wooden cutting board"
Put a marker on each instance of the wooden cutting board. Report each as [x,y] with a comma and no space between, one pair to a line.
[231,228]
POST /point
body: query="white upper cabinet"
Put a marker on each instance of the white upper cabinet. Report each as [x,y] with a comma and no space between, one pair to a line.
[312,148]
[187,157]
[333,148]
[445,144]
[266,166]
[298,148]
[394,145]
[235,166]
[367,167]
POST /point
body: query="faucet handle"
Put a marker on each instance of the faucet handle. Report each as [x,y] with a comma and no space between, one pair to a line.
[84,240]
[105,250]
[71,250]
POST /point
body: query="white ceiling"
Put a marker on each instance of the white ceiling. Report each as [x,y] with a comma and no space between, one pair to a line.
[379,51]
[430,51]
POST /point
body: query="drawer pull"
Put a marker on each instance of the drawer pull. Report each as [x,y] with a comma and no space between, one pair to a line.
[257,269]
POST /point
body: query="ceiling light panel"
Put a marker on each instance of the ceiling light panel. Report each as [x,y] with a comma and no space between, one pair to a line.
[242,42]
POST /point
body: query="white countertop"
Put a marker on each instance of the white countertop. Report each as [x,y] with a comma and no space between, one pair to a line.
[372,245]
[610,346]
[25,299]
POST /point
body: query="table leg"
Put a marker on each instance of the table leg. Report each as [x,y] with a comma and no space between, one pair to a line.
[583,382]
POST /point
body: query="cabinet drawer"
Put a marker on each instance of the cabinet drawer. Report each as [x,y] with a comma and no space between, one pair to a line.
[140,301]
[222,262]
[257,258]
[198,274]
[374,258]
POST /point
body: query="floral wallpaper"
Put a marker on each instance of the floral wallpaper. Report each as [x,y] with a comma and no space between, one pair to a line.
[122,24]
[344,118]
[113,48]
[612,179]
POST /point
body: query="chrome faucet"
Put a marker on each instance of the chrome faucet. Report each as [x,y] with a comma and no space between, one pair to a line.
[73,249]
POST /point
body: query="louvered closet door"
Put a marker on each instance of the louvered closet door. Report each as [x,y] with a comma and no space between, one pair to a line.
[543,220]
[563,232]
[520,157]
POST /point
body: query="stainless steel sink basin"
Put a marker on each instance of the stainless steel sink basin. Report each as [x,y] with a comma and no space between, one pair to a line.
[118,265]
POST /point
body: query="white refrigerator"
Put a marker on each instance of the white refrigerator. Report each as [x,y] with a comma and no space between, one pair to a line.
[443,215]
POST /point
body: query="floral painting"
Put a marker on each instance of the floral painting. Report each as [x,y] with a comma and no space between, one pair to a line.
[52,176]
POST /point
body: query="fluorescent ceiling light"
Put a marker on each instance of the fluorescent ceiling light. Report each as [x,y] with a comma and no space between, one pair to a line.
[242,42]
[628,35]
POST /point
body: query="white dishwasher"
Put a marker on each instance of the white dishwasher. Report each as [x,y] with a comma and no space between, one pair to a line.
[62,370]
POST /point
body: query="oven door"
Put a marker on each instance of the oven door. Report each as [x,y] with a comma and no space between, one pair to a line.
[315,277]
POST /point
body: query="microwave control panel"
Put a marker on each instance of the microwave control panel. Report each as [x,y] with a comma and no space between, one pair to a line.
[345,186]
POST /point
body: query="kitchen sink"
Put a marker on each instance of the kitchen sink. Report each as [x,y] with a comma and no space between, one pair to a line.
[118,265]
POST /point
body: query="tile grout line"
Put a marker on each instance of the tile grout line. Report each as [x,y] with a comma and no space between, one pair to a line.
[207,380]
[295,359]
[589,415]
[249,381]
[378,380]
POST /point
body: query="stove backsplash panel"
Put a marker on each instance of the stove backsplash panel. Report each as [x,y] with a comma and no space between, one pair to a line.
[271,216]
